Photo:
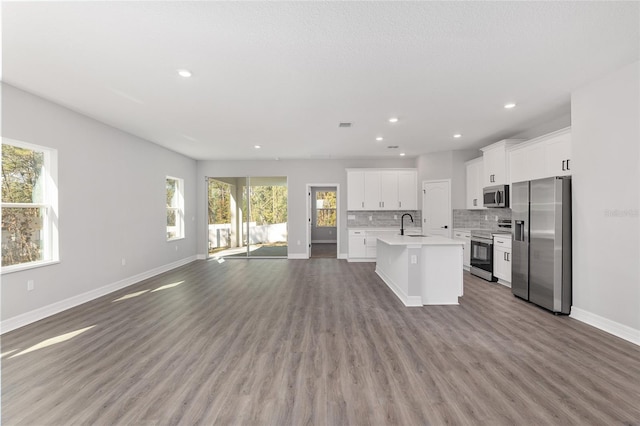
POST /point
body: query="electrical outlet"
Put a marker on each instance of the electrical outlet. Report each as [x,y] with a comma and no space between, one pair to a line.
[414,259]
[395,217]
[486,217]
[30,285]
[124,261]
[298,242]
[370,218]
[176,248]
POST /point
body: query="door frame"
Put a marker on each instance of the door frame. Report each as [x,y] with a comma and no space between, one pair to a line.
[424,192]
[310,215]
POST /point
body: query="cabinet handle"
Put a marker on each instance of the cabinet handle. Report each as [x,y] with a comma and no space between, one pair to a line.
[363,204]
[399,203]
[563,169]
[504,256]
[475,201]
[568,165]
[508,255]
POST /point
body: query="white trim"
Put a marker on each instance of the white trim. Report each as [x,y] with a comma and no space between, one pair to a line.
[343,256]
[202,257]
[298,256]
[407,300]
[620,330]
[359,259]
[57,307]
[25,266]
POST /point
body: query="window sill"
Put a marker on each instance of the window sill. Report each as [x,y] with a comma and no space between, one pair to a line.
[175,239]
[26,266]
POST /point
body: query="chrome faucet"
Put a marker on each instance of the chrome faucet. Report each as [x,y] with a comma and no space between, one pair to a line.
[402,222]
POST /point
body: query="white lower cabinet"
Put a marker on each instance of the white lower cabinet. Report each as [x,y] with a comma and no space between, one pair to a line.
[363,243]
[502,258]
[466,254]
[357,244]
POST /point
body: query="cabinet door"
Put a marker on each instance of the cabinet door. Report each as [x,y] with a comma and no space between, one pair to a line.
[494,167]
[558,156]
[499,261]
[389,190]
[527,163]
[502,263]
[372,199]
[357,245]
[474,185]
[408,190]
[466,260]
[355,190]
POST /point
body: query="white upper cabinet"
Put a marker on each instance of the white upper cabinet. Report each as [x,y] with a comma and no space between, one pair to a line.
[522,163]
[545,156]
[495,161]
[475,169]
[389,190]
[382,189]
[372,199]
[355,190]
[558,155]
[407,190]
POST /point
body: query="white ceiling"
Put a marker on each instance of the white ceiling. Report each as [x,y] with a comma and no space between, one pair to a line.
[284,74]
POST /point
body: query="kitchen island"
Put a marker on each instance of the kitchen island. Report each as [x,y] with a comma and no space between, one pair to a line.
[421,270]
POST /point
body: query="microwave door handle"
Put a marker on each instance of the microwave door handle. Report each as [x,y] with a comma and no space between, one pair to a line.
[497,197]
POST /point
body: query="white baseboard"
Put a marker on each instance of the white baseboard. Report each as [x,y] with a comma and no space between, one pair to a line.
[57,307]
[202,257]
[407,300]
[359,259]
[343,256]
[620,330]
[504,283]
[298,256]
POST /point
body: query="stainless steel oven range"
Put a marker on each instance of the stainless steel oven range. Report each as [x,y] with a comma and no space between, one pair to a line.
[482,254]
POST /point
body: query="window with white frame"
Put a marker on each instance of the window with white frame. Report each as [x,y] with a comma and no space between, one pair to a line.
[175,208]
[29,205]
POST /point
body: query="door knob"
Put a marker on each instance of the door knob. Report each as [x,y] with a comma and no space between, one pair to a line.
[444,227]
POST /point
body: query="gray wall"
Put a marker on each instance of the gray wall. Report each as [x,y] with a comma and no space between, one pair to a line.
[606,193]
[111,203]
[447,165]
[300,173]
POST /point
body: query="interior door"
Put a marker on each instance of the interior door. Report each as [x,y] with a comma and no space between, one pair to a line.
[436,208]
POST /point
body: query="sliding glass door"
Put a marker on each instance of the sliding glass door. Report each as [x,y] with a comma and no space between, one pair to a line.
[247,217]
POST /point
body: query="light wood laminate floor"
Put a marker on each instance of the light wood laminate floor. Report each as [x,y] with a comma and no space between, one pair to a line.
[312,342]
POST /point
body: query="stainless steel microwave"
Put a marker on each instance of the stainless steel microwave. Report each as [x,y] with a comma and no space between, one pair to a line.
[496,196]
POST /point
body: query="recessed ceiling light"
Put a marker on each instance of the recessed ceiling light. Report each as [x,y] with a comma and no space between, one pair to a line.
[184,73]
[510,105]
[402,154]
[379,138]
[393,120]
[257,146]
[457,135]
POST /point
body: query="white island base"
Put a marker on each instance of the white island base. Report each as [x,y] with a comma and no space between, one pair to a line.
[421,270]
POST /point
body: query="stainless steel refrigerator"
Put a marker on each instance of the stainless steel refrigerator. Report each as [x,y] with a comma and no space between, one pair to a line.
[541,249]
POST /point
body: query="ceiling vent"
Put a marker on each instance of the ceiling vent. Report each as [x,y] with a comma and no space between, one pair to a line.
[393,147]
[345,124]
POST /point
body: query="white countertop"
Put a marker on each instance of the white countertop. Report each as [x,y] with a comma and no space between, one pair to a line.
[403,240]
